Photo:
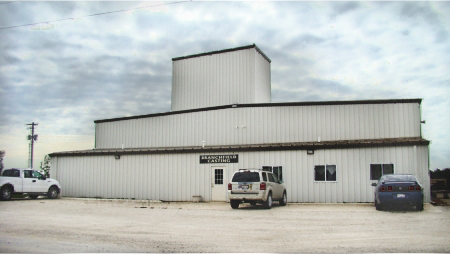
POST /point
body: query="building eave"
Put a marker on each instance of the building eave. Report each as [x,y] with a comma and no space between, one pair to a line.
[340,144]
[257,105]
[223,51]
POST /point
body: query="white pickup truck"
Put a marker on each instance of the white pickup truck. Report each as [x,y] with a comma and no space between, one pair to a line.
[27,182]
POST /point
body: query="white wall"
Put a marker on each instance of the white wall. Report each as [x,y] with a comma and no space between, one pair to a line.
[241,76]
[258,125]
[178,177]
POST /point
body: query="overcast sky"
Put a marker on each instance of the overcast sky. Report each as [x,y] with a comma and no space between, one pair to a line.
[66,74]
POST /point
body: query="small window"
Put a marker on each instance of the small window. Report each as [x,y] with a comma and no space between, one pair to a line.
[377,170]
[218,176]
[27,174]
[275,178]
[271,178]
[325,173]
[264,175]
[11,173]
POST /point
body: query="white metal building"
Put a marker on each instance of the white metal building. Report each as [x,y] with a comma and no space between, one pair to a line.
[222,120]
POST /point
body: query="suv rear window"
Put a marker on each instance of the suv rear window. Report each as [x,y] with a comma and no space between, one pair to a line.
[246,177]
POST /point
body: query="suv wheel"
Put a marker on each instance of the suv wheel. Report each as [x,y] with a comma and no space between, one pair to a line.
[234,204]
[268,202]
[283,200]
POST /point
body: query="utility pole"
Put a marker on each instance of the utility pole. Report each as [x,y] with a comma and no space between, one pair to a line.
[33,138]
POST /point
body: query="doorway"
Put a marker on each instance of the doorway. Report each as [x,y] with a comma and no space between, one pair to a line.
[219,184]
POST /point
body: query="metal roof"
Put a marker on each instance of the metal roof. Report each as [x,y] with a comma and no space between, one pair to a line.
[339,144]
[254,105]
[223,51]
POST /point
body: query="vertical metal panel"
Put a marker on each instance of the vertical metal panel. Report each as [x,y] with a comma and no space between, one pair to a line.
[263,125]
[220,79]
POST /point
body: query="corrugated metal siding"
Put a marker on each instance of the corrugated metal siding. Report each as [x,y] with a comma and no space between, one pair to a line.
[220,79]
[178,177]
[254,125]
[262,84]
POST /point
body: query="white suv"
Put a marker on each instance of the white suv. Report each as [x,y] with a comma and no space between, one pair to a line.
[256,186]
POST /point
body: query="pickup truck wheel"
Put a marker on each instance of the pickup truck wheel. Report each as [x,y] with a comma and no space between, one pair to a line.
[283,200]
[6,193]
[53,192]
[33,196]
[268,203]
[234,204]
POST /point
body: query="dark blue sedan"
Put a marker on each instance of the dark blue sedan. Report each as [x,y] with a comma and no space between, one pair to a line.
[397,190]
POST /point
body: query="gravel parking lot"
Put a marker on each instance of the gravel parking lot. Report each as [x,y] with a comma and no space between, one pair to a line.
[89,225]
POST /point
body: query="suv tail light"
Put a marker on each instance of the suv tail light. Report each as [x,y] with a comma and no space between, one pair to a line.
[229,186]
[262,186]
[418,188]
[411,188]
[382,189]
[389,188]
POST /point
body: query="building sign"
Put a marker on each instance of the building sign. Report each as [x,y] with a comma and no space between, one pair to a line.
[228,158]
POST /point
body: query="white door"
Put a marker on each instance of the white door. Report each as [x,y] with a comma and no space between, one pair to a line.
[39,184]
[219,184]
[28,181]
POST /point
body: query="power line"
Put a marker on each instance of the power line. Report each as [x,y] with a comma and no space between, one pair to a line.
[91,15]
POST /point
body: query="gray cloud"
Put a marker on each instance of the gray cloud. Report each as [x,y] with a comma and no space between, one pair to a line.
[120,64]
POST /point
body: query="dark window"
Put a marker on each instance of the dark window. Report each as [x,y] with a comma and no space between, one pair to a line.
[319,173]
[278,171]
[388,169]
[267,168]
[246,177]
[11,173]
[331,172]
[271,178]
[218,176]
[377,170]
[325,173]
[264,177]
[275,178]
[27,174]
[41,177]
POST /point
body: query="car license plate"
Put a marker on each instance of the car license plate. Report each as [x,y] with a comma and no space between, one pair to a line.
[401,196]
[245,186]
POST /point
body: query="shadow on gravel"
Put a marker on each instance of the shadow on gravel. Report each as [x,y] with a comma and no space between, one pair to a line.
[398,209]
[246,206]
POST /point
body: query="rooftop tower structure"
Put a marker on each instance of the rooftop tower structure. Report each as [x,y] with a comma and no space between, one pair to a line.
[230,76]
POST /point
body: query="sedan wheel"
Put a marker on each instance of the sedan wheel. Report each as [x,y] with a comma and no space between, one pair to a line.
[377,205]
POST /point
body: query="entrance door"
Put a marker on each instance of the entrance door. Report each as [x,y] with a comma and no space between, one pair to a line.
[219,184]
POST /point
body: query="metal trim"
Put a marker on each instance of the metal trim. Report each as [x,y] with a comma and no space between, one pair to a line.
[251,148]
[256,105]
[223,51]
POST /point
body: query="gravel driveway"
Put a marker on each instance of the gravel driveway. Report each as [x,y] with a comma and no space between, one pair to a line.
[89,225]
